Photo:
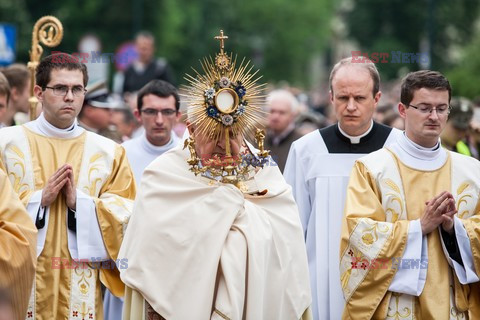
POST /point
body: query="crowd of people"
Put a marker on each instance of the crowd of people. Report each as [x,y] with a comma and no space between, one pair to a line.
[292,112]
[366,206]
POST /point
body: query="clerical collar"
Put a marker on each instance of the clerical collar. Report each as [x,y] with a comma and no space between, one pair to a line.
[355,139]
[418,157]
[158,150]
[43,127]
[426,150]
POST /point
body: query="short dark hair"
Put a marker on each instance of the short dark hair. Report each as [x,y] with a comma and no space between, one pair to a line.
[56,62]
[4,86]
[417,80]
[158,88]
[17,75]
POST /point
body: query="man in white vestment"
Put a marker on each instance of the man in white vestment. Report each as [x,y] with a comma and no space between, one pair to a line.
[158,111]
[215,232]
[78,189]
[318,168]
[409,245]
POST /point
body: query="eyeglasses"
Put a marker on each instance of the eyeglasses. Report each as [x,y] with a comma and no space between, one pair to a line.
[155,112]
[62,91]
[441,109]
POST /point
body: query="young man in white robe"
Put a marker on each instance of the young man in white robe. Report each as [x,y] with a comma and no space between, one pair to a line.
[78,189]
[318,168]
[158,111]
[409,245]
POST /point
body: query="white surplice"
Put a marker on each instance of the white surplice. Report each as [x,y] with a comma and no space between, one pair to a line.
[319,182]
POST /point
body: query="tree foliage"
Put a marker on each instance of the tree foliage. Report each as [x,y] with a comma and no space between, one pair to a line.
[464,76]
[403,25]
[279,36]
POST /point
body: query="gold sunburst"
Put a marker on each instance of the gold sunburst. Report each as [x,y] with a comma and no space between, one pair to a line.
[225,99]
[247,116]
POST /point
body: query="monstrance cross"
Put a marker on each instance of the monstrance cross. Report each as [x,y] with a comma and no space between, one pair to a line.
[221,37]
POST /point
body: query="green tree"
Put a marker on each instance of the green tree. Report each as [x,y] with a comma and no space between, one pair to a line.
[279,36]
[402,25]
[464,76]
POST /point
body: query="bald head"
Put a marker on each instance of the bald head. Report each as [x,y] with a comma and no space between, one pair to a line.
[366,65]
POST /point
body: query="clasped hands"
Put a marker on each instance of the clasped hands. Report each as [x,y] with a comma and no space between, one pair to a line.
[439,211]
[62,180]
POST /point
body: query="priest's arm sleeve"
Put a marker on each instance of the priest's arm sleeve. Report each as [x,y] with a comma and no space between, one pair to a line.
[460,249]
[295,176]
[17,249]
[368,245]
[412,267]
[85,241]
[113,207]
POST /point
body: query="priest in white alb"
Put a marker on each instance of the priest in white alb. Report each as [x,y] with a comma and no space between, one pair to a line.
[318,168]
[215,232]
[158,110]
[409,246]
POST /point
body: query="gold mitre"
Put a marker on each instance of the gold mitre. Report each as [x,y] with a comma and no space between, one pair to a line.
[226,99]
[225,96]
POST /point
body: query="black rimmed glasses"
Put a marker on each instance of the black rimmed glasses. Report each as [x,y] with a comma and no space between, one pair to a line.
[62,90]
[442,109]
[154,112]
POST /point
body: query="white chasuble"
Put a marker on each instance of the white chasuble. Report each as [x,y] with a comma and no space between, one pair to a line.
[201,249]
